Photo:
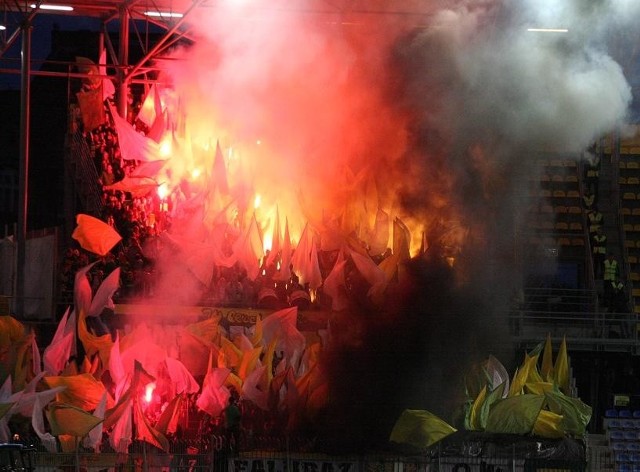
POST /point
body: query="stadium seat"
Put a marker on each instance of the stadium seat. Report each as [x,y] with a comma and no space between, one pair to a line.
[611,413]
[626,211]
[632,165]
[571,178]
[573,194]
[636,413]
[622,180]
[628,196]
[560,209]
[635,211]
[633,181]
[633,446]
[569,163]
[575,226]
[627,227]
[564,242]
[636,227]
[575,210]
[622,457]
[629,435]
[618,445]
[616,435]
[623,165]
[562,226]
[555,163]
[559,194]
[577,242]
[557,178]
[545,193]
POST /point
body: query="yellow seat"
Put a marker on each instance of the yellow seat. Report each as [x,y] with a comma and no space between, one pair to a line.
[626,211]
[559,194]
[564,242]
[574,210]
[573,194]
[633,260]
[622,180]
[571,178]
[545,178]
[635,292]
[562,226]
[636,228]
[628,196]
[575,226]
[632,165]
[557,178]
[569,163]
[634,276]
[628,243]
[560,209]
[555,163]
[577,242]
[633,181]
[545,193]
[627,227]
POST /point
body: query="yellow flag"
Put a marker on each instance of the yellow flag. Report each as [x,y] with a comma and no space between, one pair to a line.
[561,368]
[248,362]
[547,361]
[548,425]
[67,419]
[83,390]
[420,429]
[473,422]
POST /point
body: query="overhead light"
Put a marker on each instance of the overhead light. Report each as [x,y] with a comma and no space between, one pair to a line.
[548,30]
[3,27]
[163,14]
[48,6]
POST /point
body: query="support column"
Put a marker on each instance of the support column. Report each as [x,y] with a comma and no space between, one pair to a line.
[123,60]
[23,172]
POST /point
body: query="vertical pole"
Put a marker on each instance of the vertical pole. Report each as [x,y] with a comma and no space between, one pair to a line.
[23,172]
[123,60]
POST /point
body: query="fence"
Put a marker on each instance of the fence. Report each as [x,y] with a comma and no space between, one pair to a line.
[212,455]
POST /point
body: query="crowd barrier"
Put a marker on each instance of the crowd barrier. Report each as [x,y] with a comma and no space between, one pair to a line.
[213,456]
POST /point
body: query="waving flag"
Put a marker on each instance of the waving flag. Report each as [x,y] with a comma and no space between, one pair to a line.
[95,235]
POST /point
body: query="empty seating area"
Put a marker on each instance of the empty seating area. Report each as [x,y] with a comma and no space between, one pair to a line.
[622,429]
[555,223]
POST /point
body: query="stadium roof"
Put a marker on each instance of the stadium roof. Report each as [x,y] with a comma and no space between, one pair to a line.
[108,9]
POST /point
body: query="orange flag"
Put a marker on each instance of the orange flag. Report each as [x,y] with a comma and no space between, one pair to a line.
[95,235]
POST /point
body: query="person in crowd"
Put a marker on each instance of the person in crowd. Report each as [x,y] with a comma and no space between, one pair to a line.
[611,275]
[232,418]
[599,251]
[595,220]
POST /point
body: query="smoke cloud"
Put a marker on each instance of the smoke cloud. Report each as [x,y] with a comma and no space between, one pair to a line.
[445,116]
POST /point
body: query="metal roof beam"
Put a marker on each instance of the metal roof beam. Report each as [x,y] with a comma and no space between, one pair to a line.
[165,38]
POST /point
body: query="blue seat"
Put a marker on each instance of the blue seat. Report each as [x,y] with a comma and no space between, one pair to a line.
[624,414]
[624,467]
[629,435]
[619,446]
[635,414]
[611,413]
[622,457]
[635,458]
[615,424]
[617,435]
[635,468]
[628,424]
[633,447]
